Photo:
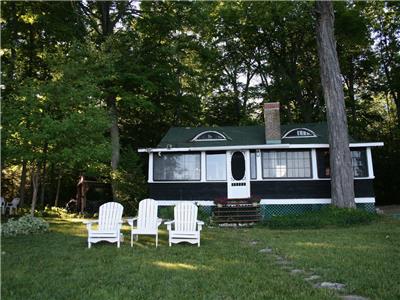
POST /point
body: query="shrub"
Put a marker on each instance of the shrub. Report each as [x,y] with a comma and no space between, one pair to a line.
[326,217]
[24,225]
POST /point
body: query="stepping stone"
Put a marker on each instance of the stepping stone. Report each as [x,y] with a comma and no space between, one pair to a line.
[265,250]
[353,297]
[254,242]
[312,277]
[330,285]
[296,271]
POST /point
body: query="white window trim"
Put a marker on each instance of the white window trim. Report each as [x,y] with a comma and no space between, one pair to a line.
[369,162]
[203,166]
[301,136]
[195,139]
[290,178]
[150,167]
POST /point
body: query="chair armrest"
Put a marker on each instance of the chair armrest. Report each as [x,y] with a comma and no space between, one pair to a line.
[89,223]
[169,224]
[131,220]
[200,224]
[159,222]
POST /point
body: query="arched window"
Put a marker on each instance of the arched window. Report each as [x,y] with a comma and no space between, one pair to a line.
[209,136]
[299,133]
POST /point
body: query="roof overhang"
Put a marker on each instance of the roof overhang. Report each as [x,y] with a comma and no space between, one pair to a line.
[254,147]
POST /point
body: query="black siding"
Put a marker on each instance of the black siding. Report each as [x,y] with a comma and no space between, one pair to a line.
[264,189]
[305,189]
[187,191]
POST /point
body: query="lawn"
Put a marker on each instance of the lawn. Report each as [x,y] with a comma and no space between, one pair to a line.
[228,265]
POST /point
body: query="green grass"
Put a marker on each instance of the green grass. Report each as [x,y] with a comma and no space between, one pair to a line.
[58,265]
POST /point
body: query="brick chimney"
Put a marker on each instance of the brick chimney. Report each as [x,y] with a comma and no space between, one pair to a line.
[272,123]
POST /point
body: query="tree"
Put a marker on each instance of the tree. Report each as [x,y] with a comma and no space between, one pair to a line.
[342,181]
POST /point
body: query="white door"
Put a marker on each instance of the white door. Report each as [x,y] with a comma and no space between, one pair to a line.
[238,174]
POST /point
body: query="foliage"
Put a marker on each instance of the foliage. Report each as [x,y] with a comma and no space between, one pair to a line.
[166,212]
[181,64]
[24,225]
[326,217]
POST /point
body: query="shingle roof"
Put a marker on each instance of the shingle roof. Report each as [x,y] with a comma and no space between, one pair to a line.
[181,137]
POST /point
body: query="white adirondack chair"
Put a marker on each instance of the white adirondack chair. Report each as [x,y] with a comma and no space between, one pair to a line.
[109,224]
[12,206]
[147,221]
[185,227]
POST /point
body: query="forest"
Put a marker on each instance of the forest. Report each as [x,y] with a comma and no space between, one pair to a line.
[87,83]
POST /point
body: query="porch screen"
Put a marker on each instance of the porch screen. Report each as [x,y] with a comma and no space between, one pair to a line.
[358,161]
[174,166]
[290,164]
[216,166]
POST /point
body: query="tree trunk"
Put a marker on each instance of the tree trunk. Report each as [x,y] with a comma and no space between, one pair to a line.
[115,145]
[35,186]
[43,177]
[107,29]
[58,189]
[342,181]
[22,184]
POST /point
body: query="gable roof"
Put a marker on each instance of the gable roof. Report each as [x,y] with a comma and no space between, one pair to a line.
[181,137]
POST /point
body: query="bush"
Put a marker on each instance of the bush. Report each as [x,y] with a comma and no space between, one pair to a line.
[24,225]
[326,217]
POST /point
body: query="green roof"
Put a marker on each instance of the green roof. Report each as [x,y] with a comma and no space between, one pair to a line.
[181,137]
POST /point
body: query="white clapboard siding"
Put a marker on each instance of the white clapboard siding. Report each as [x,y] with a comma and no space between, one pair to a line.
[147,220]
[110,222]
[186,227]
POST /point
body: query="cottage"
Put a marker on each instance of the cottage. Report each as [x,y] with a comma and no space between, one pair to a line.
[287,166]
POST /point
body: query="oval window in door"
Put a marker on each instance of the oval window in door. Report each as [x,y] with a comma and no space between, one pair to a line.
[238,165]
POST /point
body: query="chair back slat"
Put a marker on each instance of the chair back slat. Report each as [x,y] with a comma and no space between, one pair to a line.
[185,216]
[109,215]
[147,215]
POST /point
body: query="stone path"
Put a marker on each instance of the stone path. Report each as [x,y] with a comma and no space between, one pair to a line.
[308,276]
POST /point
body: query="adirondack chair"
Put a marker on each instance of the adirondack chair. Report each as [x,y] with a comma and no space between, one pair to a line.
[12,206]
[185,227]
[109,224]
[147,221]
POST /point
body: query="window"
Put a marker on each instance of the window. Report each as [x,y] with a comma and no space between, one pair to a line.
[216,166]
[299,132]
[209,136]
[290,164]
[358,161]
[176,166]
[253,165]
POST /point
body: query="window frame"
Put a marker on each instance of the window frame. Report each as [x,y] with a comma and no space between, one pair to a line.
[286,135]
[196,138]
[326,163]
[177,180]
[287,177]
[206,169]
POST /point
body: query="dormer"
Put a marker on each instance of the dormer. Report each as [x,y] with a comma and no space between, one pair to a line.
[299,133]
[209,135]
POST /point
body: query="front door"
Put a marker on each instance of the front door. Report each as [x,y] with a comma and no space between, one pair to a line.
[238,167]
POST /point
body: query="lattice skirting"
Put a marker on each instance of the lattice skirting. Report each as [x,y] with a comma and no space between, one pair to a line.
[267,211]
